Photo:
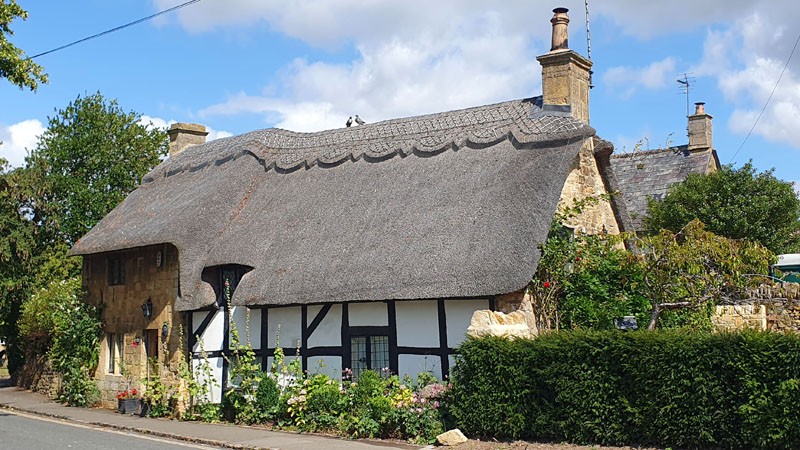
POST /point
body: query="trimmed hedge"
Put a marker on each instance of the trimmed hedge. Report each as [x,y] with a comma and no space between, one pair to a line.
[722,390]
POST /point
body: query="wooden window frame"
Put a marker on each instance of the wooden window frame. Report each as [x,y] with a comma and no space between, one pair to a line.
[116,271]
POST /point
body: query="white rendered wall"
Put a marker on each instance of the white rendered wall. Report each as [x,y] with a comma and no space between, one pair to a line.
[459,314]
[368,314]
[289,320]
[215,393]
[329,331]
[417,324]
[241,319]
[212,336]
[414,364]
[331,366]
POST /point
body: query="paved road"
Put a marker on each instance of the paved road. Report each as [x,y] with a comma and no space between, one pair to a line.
[18,432]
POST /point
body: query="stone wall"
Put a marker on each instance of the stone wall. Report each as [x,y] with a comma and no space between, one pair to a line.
[739,317]
[772,306]
[149,273]
[584,181]
[38,375]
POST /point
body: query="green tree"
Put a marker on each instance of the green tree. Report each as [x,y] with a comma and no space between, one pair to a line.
[735,203]
[690,271]
[14,66]
[91,156]
[671,279]
[18,245]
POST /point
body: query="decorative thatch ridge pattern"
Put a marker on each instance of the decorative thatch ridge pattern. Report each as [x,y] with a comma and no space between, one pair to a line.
[287,150]
[444,205]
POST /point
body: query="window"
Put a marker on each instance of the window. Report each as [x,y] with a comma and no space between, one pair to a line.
[369,353]
[116,271]
[229,277]
[114,351]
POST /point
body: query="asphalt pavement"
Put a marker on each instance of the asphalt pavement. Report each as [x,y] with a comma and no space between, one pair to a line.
[215,435]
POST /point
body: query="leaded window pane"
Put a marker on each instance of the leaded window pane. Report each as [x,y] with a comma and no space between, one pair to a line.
[379,348]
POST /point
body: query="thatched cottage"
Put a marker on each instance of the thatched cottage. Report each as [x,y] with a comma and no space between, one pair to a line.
[363,247]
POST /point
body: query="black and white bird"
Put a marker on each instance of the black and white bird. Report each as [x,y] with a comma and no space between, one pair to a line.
[349,121]
[359,121]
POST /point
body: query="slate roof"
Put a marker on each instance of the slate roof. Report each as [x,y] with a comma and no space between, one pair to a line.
[443,205]
[649,174]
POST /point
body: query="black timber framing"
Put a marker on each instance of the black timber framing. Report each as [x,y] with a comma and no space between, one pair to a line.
[443,350]
[200,328]
[265,339]
[394,359]
[347,352]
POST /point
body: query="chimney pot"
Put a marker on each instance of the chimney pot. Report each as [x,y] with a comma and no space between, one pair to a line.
[183,135]
[699,108]
[560,38]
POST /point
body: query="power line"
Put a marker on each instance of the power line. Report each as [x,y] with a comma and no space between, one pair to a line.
[182,5]
[774,88]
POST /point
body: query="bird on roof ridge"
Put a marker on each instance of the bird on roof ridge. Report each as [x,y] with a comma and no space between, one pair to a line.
[349,121]
[359,120]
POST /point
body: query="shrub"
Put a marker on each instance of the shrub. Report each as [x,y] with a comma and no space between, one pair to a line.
[79,389]
[688,390]
[267,397]
[57,323]
[324,404]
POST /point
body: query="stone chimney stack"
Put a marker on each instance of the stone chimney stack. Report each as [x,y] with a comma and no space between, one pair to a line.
[182,135]
[700,129]
[565,73]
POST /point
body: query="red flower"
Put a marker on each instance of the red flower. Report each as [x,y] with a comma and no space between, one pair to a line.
[546,284]
[577,258]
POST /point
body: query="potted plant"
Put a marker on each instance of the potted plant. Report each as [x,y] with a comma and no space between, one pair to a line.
[127,402]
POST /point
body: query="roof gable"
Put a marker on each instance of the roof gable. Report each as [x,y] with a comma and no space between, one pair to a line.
[649,174]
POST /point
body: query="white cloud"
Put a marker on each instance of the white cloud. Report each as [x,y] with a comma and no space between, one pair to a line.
[630,79]
[418,56]
[158,122]
[18,139]
[396,77]
[327,24]
[747,59]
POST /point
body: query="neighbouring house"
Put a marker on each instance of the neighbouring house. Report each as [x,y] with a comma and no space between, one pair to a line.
[363,247]
[641,175]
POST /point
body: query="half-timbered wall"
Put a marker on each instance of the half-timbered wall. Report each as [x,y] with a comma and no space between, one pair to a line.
[405,337]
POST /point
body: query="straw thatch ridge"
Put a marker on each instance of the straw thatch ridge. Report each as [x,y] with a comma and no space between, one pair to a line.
[445,205]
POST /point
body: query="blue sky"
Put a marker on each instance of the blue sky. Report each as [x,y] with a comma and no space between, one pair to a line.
[306,65]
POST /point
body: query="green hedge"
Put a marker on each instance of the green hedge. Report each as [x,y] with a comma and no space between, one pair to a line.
[670,388]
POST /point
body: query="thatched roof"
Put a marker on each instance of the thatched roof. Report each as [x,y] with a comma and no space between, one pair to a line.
[649,174]
[444,205]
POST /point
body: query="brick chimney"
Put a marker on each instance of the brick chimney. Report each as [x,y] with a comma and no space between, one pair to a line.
[700,129]
[182,135]
[565,73]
